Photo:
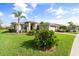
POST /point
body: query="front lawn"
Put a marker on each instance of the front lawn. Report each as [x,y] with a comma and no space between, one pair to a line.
[12,44]
[73,32]
[69,32]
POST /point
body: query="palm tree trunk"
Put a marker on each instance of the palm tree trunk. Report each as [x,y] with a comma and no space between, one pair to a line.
[18,25]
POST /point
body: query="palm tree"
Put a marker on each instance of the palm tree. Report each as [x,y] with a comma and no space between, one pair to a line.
[18,15]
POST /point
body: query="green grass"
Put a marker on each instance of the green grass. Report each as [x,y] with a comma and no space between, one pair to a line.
[71,32]
[20,45]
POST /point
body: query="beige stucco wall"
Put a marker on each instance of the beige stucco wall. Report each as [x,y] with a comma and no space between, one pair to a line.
[18,28]
[35,27]
[52,28]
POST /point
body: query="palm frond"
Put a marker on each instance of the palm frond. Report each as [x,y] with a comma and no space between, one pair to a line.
[17,13]
[23,17]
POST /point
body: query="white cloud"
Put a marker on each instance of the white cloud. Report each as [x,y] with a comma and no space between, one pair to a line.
[50,10]
[1,14]
[59,16]
[34,5]
[22,6]
[75,10]
[23,14]
[59,11]
[13,18]
[74,19]
[12,15]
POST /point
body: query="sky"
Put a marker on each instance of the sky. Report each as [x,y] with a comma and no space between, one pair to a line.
[60,13]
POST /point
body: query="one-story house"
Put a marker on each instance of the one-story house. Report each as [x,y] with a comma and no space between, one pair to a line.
[33,25]
[25,26]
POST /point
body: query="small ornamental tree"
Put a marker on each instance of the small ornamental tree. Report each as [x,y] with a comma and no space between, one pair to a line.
[44,39]
[44,25]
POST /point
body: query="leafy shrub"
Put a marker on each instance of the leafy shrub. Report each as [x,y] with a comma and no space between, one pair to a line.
[12,30]
[32,32]
[44,39]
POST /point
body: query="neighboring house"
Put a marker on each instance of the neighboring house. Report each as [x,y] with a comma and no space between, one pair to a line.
[34,25]
[76,29]
[54,27]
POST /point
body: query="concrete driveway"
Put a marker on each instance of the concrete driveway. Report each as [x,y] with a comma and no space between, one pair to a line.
[75,47]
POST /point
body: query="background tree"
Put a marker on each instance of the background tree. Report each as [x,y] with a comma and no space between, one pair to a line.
[63,28]
[71,26]
[18,15]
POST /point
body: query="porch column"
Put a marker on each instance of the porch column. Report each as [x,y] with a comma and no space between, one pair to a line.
[29,27]
[35,27]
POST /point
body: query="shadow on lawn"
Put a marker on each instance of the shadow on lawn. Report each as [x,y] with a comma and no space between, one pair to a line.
[28,45]
[7,32]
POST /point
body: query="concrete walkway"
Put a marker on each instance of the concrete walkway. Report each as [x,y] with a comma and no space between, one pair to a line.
[75,47]
[66,33]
